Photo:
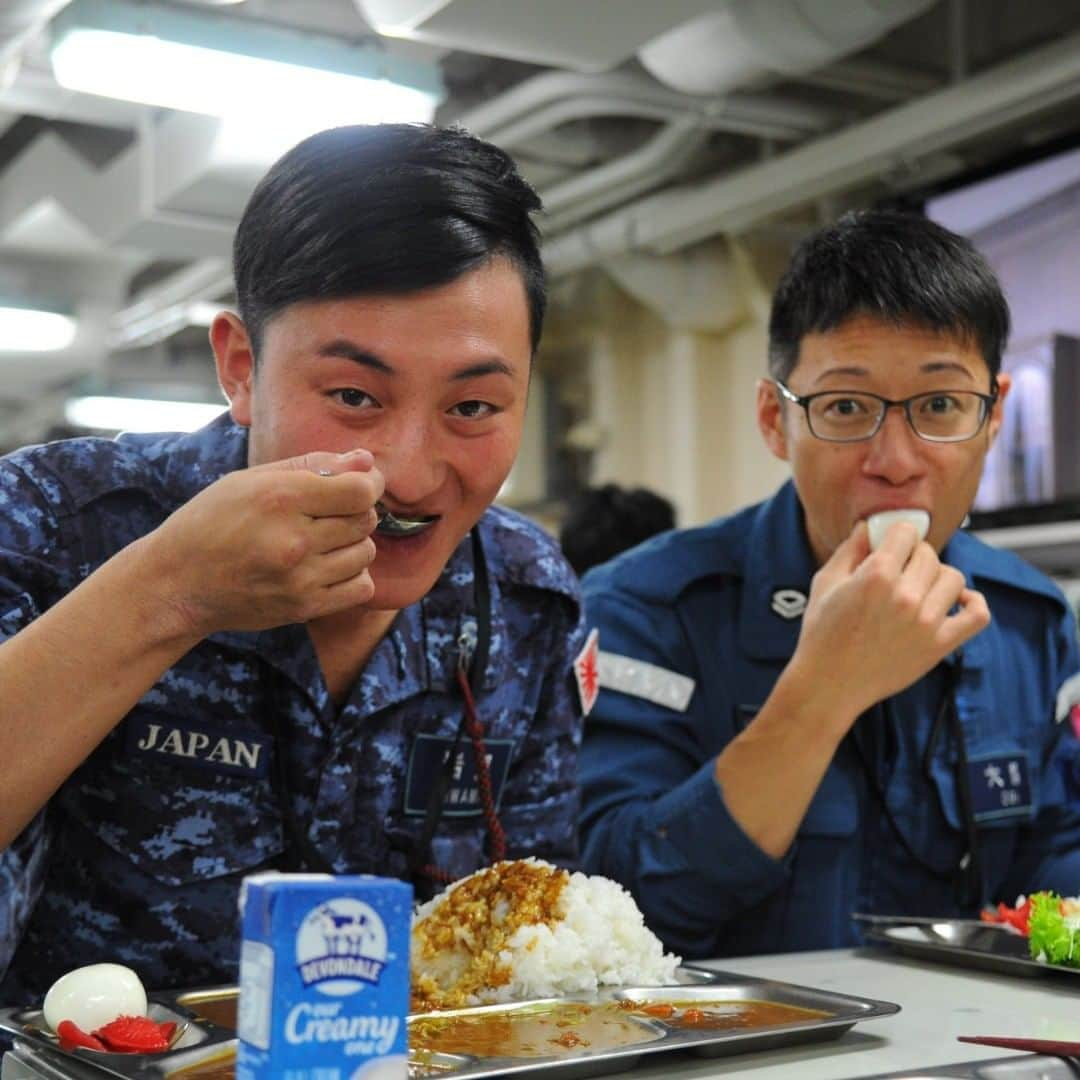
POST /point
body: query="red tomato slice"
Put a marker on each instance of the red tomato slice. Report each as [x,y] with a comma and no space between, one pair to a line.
[71,1036]
[133,1035]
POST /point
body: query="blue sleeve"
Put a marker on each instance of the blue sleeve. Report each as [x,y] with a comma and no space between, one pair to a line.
[22,874]
[1048,855]
[31,579]
[540,810]
[653,815]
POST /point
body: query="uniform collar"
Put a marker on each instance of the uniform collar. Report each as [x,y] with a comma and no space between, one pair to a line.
[974,560]
[779,566]
[780,558]
[197,460]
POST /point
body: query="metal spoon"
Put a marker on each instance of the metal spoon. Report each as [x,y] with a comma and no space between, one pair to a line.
[392,525]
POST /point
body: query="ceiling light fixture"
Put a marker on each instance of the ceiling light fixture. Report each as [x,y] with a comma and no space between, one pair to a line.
[233,67]
[104,413]
[30,330]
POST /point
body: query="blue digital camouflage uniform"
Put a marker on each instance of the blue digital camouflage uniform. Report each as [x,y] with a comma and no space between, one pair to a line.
[720,605]
[138,857]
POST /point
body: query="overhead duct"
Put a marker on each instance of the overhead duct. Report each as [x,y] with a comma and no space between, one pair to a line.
[554,33]
[747,42]
[730,204]
[545,101]
[20,20]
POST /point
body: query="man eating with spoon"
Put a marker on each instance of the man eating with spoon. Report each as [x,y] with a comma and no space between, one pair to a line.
[835,701]
[300,638]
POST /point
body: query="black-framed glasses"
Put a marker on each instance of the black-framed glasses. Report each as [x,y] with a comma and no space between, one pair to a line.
[940,416]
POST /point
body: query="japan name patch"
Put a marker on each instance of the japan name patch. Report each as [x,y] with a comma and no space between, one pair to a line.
[429,755]
[640,679]
[1000,786]
[230,753]
[586,671]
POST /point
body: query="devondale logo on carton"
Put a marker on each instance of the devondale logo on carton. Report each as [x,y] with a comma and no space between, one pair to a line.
[341,943]
[324,978]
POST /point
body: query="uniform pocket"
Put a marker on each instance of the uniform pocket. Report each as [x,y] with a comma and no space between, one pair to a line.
[1002,781]
[180,802]
[997,827]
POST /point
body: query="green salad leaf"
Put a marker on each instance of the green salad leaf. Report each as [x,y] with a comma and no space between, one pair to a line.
[1050,936]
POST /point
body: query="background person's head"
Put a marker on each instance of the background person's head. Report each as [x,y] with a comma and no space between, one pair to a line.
[894,305]
[391,296]
[603,521]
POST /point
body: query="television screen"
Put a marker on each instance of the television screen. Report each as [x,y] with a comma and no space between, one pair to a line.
[1027,222]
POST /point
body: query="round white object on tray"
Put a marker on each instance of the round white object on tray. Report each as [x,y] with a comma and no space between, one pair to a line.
[93,996]
[879,524]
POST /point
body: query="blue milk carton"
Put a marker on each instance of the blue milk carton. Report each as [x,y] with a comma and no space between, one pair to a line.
[324,978]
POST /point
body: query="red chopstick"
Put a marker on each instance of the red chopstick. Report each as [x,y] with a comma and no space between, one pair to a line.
[1056,1047]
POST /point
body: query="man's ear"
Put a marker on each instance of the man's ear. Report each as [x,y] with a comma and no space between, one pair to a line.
[997,413]
[770,418]
[235,362]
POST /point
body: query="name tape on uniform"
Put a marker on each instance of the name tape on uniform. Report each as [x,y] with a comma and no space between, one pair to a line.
[638,678]
[209,749]
[430,755]
[1000,786]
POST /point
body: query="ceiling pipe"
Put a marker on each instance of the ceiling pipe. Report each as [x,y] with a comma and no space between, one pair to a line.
[615,182]
[833,163]
[162,309]
[873,79]
[545,101]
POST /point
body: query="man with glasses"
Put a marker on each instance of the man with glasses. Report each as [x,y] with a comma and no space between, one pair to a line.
[793,727]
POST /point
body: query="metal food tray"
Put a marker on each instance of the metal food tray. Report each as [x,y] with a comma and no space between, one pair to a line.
[968,942]
[200,1043]
[203,1041]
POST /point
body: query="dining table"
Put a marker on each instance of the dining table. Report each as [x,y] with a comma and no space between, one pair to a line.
[938,1004]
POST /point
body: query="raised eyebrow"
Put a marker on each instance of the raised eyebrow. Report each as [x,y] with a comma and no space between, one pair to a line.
[346,350]
[486,367]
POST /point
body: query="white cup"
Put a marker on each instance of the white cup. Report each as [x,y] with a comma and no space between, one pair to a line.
[879,524]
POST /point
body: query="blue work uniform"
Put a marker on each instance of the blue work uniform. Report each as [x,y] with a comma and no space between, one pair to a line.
[695,627]
[138,857]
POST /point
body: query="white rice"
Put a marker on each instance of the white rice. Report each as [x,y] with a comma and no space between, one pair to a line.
[597,938]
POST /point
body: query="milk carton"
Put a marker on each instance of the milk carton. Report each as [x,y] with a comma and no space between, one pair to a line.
[324,978]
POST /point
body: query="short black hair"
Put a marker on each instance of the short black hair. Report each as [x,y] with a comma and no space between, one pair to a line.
[901,268]
[603,521]
[383,209]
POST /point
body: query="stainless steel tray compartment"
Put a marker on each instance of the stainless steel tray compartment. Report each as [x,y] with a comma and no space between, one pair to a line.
[700,986]
[198,1042]
[985,946]
[205,1040]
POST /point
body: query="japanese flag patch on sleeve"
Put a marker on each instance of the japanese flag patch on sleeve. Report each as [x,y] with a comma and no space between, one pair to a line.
[587,672]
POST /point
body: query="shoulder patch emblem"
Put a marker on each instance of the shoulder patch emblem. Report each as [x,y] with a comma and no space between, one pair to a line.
[1067,697]
[586,671]
[640,679]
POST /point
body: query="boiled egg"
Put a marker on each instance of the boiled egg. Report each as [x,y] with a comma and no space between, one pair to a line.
[879,524]
[93,996]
